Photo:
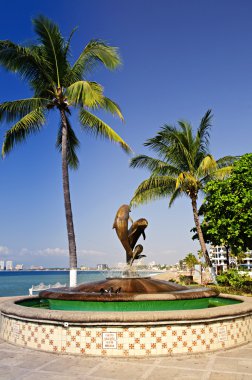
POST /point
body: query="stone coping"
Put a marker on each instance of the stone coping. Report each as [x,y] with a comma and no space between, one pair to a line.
[12,309]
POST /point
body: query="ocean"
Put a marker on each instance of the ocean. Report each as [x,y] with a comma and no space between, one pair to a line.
[17,283]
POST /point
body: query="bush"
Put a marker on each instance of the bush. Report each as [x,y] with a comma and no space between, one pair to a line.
[235,279]
[187,280]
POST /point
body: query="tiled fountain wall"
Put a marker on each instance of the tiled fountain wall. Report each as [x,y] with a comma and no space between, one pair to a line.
[131,340]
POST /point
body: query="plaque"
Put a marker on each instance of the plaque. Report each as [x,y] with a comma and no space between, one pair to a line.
[16,330]
[109,340]
[222,334]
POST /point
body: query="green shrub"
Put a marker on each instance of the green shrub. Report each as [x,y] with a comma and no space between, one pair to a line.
[234,279]
[187,280]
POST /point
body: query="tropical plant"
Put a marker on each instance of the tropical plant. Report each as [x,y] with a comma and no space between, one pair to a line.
[190,261]
[184,165]
[227,208]
[56,84]
[233,278]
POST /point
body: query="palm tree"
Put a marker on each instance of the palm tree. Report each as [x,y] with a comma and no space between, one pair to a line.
[190,261]
[56,84]
[183,166]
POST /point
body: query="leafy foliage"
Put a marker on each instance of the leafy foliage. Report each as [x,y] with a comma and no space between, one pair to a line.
[234,279]
[227,208]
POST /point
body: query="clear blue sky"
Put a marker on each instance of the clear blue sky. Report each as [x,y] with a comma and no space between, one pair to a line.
[180,58]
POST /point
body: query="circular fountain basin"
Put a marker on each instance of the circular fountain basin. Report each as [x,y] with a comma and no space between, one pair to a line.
[128,333]
[126,306]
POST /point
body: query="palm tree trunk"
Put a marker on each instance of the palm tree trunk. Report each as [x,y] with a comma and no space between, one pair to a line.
[201,239]
[68,207]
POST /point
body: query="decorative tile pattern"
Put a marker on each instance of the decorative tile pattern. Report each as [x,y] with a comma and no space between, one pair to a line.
[128,341]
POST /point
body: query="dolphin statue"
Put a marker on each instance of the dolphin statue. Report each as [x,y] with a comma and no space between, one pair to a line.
[121,227]
[129,237]
[136,230]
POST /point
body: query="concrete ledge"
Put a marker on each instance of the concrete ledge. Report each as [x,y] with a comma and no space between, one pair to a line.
[127,334]
[11,308]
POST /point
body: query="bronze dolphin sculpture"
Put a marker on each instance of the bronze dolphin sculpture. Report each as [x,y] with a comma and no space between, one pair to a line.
[121,227]
[129,237]
[136,230]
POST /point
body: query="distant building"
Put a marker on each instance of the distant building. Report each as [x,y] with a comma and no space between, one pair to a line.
[246,261]
[35,267]
[83,267]
[102,267]
[9,265]
[1,265]
[218,257]
[19,267]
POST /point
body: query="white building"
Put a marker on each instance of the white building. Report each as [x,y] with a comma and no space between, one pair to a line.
[19,267]
[218,257]
[1,265]
[9,265]
[102,266]
[247,261]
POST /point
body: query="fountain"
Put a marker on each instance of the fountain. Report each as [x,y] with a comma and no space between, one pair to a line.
[128,315]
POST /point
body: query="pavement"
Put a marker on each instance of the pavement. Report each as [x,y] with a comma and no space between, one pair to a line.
[17,363]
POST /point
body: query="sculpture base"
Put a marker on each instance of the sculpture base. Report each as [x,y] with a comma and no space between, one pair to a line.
[127,289]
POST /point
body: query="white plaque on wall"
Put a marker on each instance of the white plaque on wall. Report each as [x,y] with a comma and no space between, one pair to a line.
[222,334]
[109,340]
[16,330]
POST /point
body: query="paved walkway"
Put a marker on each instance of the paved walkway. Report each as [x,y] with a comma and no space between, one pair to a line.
[18,363]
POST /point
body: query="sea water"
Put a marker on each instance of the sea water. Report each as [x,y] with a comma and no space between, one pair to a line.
[17,283]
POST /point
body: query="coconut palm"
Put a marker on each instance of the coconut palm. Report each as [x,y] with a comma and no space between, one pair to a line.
[58,85]
[183,166]
[190,261]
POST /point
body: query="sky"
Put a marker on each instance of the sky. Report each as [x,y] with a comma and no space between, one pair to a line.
[180,58]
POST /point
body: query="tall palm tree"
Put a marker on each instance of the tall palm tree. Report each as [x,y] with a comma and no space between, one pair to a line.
[56,84]
[183,166]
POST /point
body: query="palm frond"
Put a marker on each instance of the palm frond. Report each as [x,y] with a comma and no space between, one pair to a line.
[186,182]
[11,111]
[227,161]
[112,107]
[29,62]
[202,137]
[222,173]
[67,46]
[96,52]
[207,165]
[30,123]
[72,145]
[175,195]
[153,188]
[53,46]
[95,125]
[85,93]
[170,144]
[154,165]
[218,174]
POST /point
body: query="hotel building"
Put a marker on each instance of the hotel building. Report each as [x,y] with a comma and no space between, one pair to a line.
[9,265]
[218,257]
